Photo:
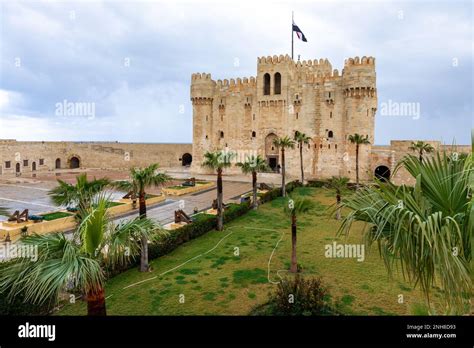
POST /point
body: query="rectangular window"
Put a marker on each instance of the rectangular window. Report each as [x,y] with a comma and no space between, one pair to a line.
[8,164]
[41,161]
[25,163]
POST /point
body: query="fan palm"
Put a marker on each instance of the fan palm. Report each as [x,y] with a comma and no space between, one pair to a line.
[217,161]
[301,139]
[140,180]
[293,208]
[78,264]
[254,165]
[79,195]
[421,147]
[283,143]
[358,140]
[338,184]
[427,228]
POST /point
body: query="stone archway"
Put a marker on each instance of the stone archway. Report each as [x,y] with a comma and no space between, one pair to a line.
[74,162]
[271,151]
[382,173]
[186,159]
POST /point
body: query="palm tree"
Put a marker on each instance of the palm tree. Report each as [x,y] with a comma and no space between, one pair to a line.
[426,229]
[301,139]
[293,208]
[282,144]
[140,180]
[254,165]
[358,140]
[79,195]
[78,263]
[421,147]
[339,184]
[217,161]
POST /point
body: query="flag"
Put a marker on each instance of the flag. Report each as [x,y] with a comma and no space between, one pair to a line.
[299,33]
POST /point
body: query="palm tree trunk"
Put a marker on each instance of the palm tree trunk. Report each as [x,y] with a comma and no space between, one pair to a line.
[220,216]
[96,303]
[283,188]
[301,163]
[144,267]
[421,156]
[294,263]
[254,189]
[357,165]
[338,211]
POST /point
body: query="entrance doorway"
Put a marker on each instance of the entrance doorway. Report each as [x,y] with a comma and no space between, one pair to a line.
[272,163]
[74,163]
[382,173]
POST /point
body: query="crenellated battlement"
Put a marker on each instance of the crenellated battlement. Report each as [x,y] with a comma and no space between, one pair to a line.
[274,59]
[314,63]
[239,82]
[200,77]
[358,61]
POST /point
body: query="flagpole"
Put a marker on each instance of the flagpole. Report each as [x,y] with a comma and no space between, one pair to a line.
[292,21]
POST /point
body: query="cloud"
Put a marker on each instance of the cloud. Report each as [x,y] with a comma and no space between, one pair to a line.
[134,60]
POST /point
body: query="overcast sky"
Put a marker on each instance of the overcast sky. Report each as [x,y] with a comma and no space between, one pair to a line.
[132,62]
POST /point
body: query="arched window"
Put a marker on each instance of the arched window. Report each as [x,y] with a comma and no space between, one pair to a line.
[330,134]
[266,84]
[254,134]
[222,134]
[330,114]
[277,83]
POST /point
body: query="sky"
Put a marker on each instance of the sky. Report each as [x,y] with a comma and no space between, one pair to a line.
[121,70]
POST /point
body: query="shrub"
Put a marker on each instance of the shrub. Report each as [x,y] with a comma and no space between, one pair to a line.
[315,183]
[236,210]
[18,306]
[298,296]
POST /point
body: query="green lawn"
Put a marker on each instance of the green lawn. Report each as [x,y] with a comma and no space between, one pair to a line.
[218,282]
[55,215]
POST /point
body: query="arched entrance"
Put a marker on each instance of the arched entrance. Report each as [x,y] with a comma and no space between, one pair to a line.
[17,168]
[382,173]
[74,162]
[58,163]
[33,166]
[271,151]
[186,159]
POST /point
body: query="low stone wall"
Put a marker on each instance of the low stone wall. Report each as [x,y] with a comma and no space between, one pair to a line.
[191,189]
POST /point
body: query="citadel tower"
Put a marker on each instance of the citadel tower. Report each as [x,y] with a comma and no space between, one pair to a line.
[285,97]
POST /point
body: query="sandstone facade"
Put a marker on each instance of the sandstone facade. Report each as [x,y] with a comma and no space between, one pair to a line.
[31,156]
[245,115]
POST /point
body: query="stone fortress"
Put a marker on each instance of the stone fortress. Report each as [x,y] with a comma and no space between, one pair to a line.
[285,97]
[246,115]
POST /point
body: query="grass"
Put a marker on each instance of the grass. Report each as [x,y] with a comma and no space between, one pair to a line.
[55,215]
[220,283]
[177,187]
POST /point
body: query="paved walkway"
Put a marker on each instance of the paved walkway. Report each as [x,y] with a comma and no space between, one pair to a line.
[164,212]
